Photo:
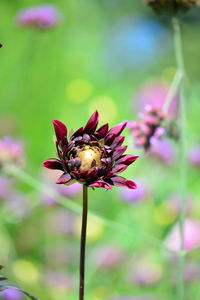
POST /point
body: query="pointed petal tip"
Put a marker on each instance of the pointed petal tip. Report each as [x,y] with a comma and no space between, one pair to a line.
[117,129]
[131,184]
[53,164]
[92,123]
[64,178]
[60,129]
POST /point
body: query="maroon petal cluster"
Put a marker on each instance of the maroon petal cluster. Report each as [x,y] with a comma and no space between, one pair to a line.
[171,6]
[148,128]
[92,156]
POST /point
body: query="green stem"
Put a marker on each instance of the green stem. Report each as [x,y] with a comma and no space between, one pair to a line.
[183,156]
[83,243]
[172,91]
[76,208]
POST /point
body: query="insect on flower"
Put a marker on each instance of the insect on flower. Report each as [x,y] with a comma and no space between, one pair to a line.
[90,156]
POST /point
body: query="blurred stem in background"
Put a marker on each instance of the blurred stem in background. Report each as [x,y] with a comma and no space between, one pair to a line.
[83,242]
[183,155]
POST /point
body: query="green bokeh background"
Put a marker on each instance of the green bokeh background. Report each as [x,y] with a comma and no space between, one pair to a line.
[37,67]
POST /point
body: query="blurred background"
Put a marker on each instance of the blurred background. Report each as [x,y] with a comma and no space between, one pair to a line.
[63,60]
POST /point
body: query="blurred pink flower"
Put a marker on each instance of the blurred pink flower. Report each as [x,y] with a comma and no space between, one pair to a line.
[135,196]
[11,152]
[191,236]
[194,156]
[50,198]
[154,93]
[42,16]
[107,256]
[61,221]
[148,128]
[136,297]
[192,272]
[58,279]
[173,203]
[163,150]
[69,191]
[145,273]
[5,187]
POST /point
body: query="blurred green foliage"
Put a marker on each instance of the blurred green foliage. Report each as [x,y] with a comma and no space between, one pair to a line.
[63,73]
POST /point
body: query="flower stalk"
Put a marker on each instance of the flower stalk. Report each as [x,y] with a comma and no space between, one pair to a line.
[83,243]
[183,155]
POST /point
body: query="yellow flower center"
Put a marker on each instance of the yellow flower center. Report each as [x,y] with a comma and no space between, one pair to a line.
[90,156]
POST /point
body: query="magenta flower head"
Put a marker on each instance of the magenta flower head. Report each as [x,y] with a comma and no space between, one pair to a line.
[90,156]
[149,128]
[42,16]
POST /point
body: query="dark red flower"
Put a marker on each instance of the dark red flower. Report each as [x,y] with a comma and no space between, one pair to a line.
[90,156]
[171,6]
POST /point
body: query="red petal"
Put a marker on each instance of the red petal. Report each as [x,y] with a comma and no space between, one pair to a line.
[101,184]
[118,141]
[60,129]
[117,129]
[64,178]
[123,182]
[53,164]
[92,123]
[119,151]
[102,131]
[78,132]
[127,159]
[119,169]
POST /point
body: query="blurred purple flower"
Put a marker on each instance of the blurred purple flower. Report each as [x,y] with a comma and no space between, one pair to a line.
[11,294]
[164,150]
[145,273]
[192,272]
[154,93]
[5,187]
[69,191]
[18,204]
[61,221]
[148,128]
[41,16]
[49,178]
[135,196]
[194,156]
[58,279]
[11,152]
[173,203]
[138,297]
[191,236]
[107,256]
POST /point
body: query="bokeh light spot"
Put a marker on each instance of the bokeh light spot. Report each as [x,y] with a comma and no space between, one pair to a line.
[95,228]
[106,107]
[168,74]
[79,90]
[26,271]
[163,216]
